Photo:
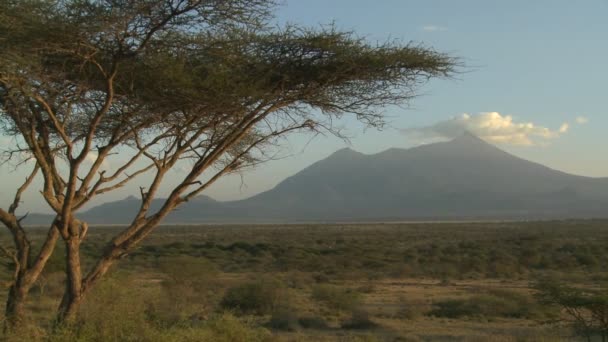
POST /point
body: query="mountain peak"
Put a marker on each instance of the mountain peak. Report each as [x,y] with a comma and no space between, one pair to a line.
[465,178]
[346,152]
[467,136]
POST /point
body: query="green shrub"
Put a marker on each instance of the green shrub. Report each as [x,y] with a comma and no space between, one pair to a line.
[223,328]
[312,322]
[284,319]
[359,320]
[227,328]
[188,289]
[367,288]
[336,297]
[184,268]
[407,311]
[496,303]
[585,307]
[259,297]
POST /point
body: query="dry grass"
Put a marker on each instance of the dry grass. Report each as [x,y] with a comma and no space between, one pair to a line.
[348,259]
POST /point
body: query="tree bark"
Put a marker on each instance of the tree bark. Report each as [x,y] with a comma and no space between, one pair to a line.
[76,286]
[73,295]
[15,305]
[26,275]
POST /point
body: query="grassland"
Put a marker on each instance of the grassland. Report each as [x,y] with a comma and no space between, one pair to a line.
[372,282]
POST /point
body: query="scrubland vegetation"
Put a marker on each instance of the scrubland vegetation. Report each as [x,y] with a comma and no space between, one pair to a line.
[528,281]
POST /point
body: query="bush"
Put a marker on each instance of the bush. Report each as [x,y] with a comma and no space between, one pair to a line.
[188,289]
[586,307]
[114,311]
[284,319]
[227,328]
[312,322]
[336,297]
[223,328]
[407,312]
[359,320]
[183,268]
[367,288]
[260,297]
[497,303]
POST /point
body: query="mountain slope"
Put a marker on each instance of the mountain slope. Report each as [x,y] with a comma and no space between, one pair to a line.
[465,178]
[462,178]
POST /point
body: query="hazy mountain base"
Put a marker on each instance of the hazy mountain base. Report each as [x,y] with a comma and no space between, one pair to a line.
[409,282]
[465,178]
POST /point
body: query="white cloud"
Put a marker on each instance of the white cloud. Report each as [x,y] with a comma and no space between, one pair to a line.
[490,126]
[434,28]
[581,120]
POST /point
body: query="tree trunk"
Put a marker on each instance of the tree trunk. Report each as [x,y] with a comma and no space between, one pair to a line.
[15,305]
[76,286]
[72,297]
[25,277]
[17,295]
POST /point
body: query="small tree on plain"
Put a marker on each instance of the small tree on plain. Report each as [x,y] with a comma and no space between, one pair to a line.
[585,309]
[209,84]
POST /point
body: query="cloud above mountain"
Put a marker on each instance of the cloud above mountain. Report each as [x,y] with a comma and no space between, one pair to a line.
[490,126]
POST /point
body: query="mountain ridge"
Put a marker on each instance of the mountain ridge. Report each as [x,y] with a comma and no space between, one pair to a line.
[459,179]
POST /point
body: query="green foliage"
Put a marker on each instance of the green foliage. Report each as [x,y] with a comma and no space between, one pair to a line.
[227,328]
[216,83]
[408,311]
[198,59]
[585,307]
[115,312]
[336,297]
[186,269]
[495,303]
[172,287]
[189,289]
[359,320]
[222,328]
[452,251]
[284,318]
[312,322]
[259,297]
[124,309]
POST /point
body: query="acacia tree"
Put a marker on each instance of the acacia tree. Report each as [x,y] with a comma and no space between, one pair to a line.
[205,83]
[585,309]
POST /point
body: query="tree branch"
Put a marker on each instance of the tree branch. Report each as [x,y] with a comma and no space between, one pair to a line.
[28,180]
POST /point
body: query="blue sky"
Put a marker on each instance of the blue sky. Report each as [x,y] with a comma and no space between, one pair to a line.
[539,62]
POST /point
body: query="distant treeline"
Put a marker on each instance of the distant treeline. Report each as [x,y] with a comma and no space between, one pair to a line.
[441,250]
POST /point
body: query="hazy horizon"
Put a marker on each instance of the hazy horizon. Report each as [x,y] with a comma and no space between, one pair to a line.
[460,143]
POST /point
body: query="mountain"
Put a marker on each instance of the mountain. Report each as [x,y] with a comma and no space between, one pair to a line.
[465,178]
[123,211]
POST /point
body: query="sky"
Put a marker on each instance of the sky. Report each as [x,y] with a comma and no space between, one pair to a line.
[533,83]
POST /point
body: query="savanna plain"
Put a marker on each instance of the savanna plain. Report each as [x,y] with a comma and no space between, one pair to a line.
[493,281]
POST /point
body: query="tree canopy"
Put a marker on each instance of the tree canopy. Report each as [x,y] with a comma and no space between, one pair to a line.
[209,81]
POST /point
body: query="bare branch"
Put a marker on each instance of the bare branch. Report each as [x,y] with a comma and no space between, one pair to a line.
[28,181]
[121,183]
